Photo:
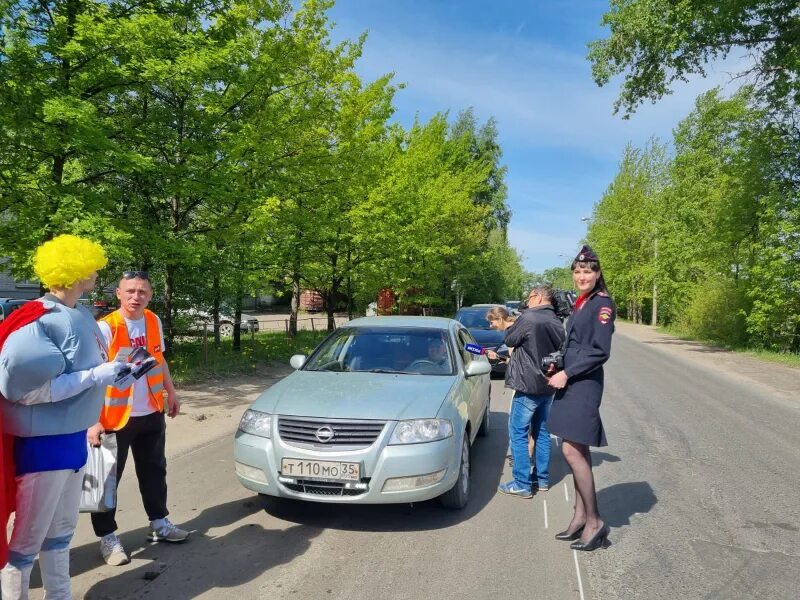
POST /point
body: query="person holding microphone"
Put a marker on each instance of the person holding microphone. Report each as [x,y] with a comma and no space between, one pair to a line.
[575,414]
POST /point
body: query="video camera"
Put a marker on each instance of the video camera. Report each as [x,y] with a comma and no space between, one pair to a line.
[563,302]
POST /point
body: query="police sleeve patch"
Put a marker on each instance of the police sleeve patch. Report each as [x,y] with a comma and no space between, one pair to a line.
[604,316]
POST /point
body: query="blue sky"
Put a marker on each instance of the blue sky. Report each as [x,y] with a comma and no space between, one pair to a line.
[523,63]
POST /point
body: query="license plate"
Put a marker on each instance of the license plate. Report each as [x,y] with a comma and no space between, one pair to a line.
[326,470]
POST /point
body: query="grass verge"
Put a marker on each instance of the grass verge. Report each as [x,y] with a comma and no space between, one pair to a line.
[788,359]
[191,362]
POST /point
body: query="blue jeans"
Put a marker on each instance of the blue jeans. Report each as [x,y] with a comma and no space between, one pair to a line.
[529,413]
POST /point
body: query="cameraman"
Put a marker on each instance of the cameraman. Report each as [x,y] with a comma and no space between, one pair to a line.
[536,333]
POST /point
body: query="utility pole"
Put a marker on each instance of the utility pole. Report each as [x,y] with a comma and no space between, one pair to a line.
[654,321]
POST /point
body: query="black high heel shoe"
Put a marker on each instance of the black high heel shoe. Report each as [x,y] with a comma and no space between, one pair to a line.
[565,536]
[600,539]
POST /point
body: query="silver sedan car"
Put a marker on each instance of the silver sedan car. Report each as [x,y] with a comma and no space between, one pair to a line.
[385,410]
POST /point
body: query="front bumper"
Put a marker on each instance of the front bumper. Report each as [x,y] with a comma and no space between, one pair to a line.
[258,463]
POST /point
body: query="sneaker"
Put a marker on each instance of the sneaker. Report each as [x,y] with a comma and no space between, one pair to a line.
[112,551]
[541,487]
[512,489]
[164,531]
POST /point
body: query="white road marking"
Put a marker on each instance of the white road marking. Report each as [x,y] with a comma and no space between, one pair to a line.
[566,492]
[545,513]
[578,571]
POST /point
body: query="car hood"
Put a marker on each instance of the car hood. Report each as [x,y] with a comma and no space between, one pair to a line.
[488,337]
[335,395]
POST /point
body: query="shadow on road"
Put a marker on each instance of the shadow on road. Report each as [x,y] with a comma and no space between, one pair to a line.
[488,456]
[618,503]
[203,563]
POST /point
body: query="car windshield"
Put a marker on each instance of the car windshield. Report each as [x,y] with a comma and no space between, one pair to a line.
[405,350]
[473,319]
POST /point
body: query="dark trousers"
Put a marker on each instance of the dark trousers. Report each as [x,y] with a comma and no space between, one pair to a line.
[145,436]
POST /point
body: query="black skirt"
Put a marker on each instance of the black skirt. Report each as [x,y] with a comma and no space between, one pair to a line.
[575,414]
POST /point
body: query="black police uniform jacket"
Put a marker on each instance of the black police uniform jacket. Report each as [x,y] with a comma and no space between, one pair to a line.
[575,415]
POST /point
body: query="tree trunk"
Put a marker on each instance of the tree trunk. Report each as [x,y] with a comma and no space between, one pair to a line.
[215,309]
[169,290]
[349,283]
[295,302]
[237,309]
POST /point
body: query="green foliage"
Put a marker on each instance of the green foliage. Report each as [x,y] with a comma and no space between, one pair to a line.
[228,147]
[717,312]
[714,228]
[655,43]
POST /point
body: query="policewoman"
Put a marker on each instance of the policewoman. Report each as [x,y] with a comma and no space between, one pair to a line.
[575,415]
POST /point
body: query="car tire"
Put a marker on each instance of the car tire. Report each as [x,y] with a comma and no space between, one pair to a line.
[226,329]
[484,429]
[458,496]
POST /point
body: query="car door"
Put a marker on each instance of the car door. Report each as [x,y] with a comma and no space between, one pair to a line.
[477,391]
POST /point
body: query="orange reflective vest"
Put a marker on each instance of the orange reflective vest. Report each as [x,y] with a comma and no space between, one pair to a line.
[118,403]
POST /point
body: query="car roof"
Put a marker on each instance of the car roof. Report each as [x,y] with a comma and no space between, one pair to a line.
[478,307]
[402,321]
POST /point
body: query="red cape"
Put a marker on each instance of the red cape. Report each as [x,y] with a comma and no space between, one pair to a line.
[28,313]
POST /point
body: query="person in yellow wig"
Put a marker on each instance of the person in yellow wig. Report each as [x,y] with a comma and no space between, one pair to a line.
[53,371]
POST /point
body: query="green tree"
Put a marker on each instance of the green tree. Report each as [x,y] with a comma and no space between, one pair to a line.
[626,228]
[655,43]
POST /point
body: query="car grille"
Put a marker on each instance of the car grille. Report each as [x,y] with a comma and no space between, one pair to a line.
[322,488]
[357,434]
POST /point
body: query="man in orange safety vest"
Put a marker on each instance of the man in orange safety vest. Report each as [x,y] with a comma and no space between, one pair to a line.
[136,414]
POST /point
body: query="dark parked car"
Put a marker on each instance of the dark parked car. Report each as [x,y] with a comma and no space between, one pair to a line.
[9,305]
[99,308]
[474,319]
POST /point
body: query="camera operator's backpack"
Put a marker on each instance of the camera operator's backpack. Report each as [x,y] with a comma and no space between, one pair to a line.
[563,301]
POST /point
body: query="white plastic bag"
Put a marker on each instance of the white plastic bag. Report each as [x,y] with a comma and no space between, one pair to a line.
[99,492]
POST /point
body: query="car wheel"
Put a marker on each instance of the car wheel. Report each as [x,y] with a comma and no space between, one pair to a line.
[484,430]
[226,329]
[458,496]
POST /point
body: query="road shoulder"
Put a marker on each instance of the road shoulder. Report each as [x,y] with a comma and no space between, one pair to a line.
[212,409]
[766,376]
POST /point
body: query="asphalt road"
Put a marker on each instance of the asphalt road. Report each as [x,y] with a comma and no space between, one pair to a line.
[700,485]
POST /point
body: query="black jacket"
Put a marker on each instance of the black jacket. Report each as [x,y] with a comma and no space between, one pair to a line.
[536,333]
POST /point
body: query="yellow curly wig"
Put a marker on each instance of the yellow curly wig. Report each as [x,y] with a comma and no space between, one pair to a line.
[66,259]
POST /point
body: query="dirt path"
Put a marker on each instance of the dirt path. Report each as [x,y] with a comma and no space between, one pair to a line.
[212,409]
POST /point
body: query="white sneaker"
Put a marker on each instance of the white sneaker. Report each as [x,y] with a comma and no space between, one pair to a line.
[164,531]
[112,551]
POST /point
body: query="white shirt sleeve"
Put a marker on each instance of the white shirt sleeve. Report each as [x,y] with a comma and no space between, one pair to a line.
[105,329]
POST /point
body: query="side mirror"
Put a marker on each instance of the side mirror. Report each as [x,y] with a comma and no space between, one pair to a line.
[297,361]
[478,367]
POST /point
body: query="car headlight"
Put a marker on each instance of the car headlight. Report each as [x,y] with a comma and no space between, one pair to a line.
[416,431]
[256,422]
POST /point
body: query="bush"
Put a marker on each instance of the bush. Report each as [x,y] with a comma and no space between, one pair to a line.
[717,313]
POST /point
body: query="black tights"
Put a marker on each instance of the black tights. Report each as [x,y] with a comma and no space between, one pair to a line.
[580,463]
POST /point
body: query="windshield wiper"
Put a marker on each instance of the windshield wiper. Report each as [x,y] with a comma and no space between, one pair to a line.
[388,371]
